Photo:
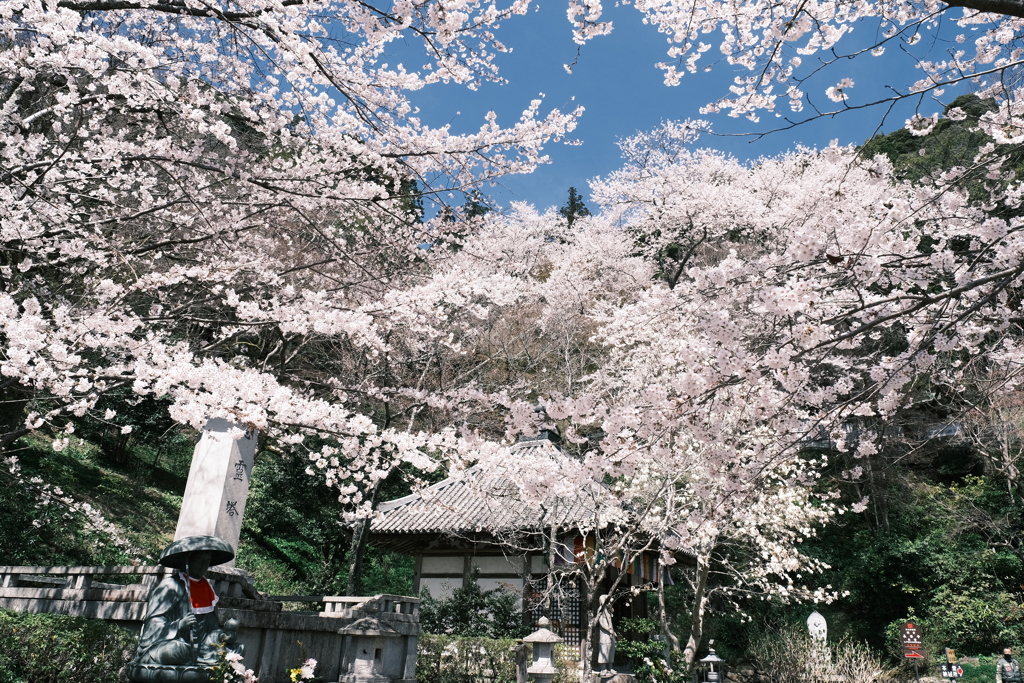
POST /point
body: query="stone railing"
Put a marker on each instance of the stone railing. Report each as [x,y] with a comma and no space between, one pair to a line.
[343,606]
[354,639]
[116,593]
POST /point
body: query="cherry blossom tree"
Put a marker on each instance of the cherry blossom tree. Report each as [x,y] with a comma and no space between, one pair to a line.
[808,292]
[785,301]
[216,203]
[568,286]
[993,425]
[792,57]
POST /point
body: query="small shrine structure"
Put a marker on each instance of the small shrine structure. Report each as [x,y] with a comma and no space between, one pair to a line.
[469,525]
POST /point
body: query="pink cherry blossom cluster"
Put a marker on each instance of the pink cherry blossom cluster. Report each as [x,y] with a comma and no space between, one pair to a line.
[717,316]
[770,41]
[186,185]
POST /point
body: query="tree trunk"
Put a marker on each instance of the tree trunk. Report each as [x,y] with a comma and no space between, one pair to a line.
[700,599]
[585,654]
[587,639]
[663,613]
[360,534]
[360,531]
[549,580]
[1013,8]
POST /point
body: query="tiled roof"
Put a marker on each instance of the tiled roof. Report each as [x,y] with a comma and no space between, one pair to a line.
[475,503]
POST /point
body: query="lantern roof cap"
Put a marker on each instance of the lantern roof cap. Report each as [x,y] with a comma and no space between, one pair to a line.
[542,634]
[712,658]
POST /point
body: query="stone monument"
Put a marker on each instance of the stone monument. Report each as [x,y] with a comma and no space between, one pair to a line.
[218,483]
[817,627]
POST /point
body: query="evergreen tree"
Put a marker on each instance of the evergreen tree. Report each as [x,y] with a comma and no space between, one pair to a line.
[573,207]
[475,205]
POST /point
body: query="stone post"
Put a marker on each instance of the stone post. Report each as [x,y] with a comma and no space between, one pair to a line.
[218,484]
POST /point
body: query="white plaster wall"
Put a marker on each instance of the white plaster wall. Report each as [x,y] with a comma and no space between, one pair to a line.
[440,589]
[498,565]
[511,585]
[442,564]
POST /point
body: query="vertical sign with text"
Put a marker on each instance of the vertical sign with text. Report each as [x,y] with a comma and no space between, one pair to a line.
[218,483]
[910,633]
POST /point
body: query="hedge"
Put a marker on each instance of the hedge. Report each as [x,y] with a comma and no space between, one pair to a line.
[51,648]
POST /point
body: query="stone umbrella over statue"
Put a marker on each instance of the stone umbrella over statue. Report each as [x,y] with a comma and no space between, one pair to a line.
[181,637]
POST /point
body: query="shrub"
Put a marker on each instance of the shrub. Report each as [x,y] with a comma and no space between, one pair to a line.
[982,672]
[473,613]
[647,654]
[451,659]
[51,648]
[792,656]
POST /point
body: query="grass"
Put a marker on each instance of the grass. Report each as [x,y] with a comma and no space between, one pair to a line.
[144,512]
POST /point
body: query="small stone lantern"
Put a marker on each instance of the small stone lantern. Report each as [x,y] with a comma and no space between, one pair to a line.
[543,668]
[709,662]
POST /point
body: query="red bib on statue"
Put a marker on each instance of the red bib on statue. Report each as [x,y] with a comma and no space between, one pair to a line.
[201,597]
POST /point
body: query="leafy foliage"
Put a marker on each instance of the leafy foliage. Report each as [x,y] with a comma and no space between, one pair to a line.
[303,545]
[75,507]
[647,655]
[978,670]
[473,612]
[296,521]
[573,208]
[453,659]
[951,143]
[947,555]
[50,648]
[793,656]
[952,148]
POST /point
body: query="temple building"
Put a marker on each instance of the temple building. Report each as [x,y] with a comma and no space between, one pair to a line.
[467,524]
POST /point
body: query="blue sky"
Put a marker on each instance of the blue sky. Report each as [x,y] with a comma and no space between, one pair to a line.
[616,80]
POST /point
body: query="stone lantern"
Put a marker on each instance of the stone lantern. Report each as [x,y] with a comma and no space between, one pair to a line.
[709,662]
[543,668]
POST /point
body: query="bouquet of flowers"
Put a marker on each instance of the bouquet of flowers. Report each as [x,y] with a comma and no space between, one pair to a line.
[229,669]
[304,672]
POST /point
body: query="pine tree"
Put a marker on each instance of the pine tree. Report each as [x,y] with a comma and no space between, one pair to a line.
[573,207]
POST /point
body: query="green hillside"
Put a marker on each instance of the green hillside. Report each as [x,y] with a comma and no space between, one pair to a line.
[98,508]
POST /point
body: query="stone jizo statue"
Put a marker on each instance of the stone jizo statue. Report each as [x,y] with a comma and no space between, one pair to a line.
[606,639]
[181,636]
[817,627]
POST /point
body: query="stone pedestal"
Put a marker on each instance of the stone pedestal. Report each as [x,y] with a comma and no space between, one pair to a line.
[218,484]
